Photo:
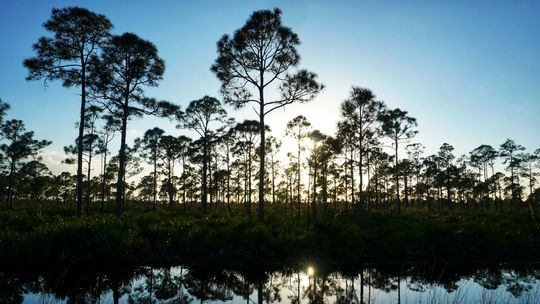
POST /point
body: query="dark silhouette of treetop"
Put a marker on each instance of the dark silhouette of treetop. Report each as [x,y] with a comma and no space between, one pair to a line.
[258,55]
[78,34]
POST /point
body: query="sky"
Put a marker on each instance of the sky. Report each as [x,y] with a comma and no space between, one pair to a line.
[468,71]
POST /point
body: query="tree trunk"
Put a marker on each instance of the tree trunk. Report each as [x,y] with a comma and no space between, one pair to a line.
[154,183]
[80,140]
[103,179]
[362,286]
[405,189]
[261,154]
[204,169]
[122,163]
[360,175]
[249,182]
[10,186]
[210,180]
[184,180]
[273,181]
[352,179]
[228,182]
[325,186]
[88,187]
[397,179]
[169,182]
[314,203]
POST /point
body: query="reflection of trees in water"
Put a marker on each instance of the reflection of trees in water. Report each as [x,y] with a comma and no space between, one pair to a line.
[516,281]
[74,285]
[206,285]
[489,278]
[199,284]
[11,289]
[346,293]
[160,286]
[272,288]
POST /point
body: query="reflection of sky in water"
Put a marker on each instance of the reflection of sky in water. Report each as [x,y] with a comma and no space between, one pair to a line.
[503,287]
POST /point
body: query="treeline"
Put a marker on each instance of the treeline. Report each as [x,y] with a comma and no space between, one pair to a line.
[223,167]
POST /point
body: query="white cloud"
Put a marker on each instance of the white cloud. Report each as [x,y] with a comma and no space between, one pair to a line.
[53,159]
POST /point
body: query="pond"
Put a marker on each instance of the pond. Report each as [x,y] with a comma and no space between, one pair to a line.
[308,283]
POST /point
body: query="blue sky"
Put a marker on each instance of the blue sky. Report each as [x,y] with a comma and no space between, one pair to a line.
[469,71]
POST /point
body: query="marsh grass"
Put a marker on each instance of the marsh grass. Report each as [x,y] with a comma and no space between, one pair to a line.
[50,233]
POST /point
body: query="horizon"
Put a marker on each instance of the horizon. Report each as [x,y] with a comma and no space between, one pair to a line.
[467,74]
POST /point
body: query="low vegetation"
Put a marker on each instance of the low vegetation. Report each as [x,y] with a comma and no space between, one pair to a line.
[52,234]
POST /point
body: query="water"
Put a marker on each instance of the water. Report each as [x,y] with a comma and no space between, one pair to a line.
[305,284]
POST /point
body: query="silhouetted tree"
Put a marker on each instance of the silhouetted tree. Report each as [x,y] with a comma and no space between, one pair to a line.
[91,146]
[328,151]
[362,110]
[414,152]
[106,134]
[19,145]
[299,129]
[259,54]
[509,151]
[78,36]
[183,150]
[62,187]
[173,149]
[145,187]
[248,133]
[127,65]
[132,167]
[481,158]
[4,106]
[91,143]
[399,128]
[149,148]
[527,168]
[346,134]
[273,145]
[445,158]
[316,137]
[199,116]
[34,178]
[227,141]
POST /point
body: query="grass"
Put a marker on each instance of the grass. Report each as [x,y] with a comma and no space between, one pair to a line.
[48,234]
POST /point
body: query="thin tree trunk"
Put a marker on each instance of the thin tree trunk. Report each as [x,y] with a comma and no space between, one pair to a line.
[228,182]
[298,177]
[88,187]
[273,182]
[314,206]
[103,179]
[10,186]
[249,182]
[397,179]
[262,151]
[352,179]
[79,186]
[210,180]
[169,182]
[122,163]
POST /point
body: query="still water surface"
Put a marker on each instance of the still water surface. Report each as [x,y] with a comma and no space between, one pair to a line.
[305,284]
